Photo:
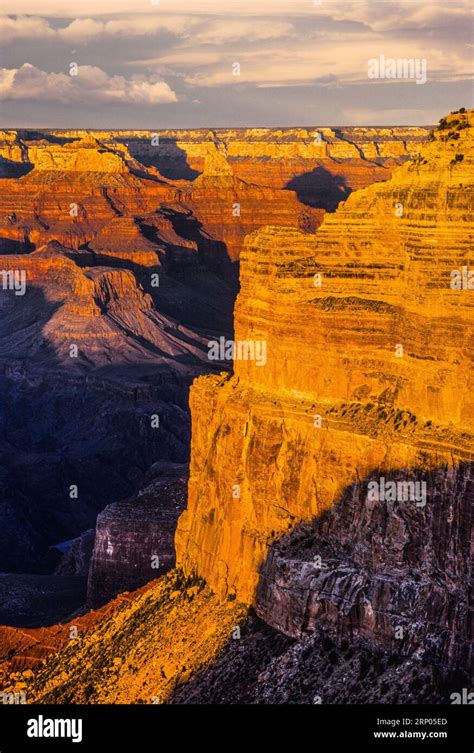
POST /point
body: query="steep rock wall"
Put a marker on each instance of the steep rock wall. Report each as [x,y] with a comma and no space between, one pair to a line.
[338,399]
[135,541]
[392,575]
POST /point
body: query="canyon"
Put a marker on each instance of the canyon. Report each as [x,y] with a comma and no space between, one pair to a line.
[288,581]
[128,244]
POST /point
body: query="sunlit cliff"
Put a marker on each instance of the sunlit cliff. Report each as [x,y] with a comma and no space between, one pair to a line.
[368,325]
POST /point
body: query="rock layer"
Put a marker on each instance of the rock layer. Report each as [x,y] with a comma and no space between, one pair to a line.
[135,540]
[392,576]
[369,364]
[335,405]
[128,251]
[93,177]
[92,190]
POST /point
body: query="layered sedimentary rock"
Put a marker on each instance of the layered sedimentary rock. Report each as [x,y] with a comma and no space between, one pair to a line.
[391,575]
[368,367]
[134,540]
[93,177]
[92,190]
[122,238]
[72,208]
[250,204]
[365,378]
[89,306]
[85,155]
[260,154]
[117,266]
[11,147]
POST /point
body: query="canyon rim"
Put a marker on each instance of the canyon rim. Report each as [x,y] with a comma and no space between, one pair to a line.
[329,495]
[236,360]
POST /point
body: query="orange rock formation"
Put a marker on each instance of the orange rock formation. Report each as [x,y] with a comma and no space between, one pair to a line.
[369,364]
[75,183]
[368,368]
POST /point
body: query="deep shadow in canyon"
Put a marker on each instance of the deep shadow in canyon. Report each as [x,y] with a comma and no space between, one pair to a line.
[320,188]
[88,425]
[368,603]
[169,160]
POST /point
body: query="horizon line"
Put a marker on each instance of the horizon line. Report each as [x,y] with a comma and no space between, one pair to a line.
[214,127]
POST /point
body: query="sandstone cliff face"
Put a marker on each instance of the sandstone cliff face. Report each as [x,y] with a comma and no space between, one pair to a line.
[72,207]
[244,144]
[11,147]
[85,155]
[230,208]
[369,365]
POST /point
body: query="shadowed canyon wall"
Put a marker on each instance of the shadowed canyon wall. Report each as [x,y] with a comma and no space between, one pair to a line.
[128,246]
[301,574]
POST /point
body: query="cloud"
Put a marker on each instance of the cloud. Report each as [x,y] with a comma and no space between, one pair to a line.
[60,9]
[401,15]
[331,52]
[81,30]
[86,29]
[24,27]
[90,85]
[194,44]
[180,59]
[208,31]
[377,15]
[333,60]
[230,30]
[239,8]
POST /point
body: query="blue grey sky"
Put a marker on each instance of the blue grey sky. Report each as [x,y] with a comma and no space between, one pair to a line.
[215,63]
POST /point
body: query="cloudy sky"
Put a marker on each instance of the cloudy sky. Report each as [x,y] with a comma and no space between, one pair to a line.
[191,63]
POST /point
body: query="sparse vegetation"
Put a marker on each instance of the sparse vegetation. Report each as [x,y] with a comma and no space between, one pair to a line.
[142,650]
